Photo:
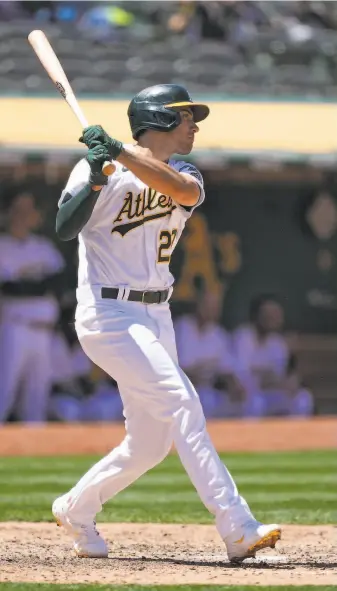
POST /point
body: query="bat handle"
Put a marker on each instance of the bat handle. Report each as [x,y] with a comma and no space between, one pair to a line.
[108,168]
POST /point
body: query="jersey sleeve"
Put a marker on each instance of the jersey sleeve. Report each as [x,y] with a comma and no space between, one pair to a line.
[78,178]
[190,169]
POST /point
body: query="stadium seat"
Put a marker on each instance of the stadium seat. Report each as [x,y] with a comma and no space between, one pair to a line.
[290,57]
[91,85]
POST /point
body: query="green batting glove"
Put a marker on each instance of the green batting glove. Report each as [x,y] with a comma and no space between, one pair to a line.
[96,156]
[95,134]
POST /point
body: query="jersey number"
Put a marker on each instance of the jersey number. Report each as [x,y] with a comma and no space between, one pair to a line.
[166,241]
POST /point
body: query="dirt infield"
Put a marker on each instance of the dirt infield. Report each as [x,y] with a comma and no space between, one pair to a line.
[165,554]
[263,435]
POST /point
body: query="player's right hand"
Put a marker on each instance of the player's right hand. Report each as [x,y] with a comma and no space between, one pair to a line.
[96,156]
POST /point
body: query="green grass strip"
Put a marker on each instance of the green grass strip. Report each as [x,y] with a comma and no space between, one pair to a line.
[292,487]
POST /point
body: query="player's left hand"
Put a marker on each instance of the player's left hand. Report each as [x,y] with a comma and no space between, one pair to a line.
[95,135]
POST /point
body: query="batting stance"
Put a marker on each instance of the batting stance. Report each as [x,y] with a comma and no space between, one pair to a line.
[128,225]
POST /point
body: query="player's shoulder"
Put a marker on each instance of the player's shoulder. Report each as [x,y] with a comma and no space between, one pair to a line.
[187,167]
[81,165]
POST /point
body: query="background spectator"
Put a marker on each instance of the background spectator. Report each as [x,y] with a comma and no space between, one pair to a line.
[80,391]
[265,365]
[30,268]
[204,351]
[268,215]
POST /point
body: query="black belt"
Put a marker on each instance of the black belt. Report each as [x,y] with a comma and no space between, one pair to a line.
[145,297]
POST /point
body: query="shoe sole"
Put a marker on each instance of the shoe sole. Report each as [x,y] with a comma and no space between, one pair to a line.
[268,541]
[81,555]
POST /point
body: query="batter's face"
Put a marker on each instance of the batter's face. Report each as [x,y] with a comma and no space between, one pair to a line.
[183,136]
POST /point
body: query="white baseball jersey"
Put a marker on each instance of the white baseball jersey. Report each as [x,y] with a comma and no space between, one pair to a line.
[131,234]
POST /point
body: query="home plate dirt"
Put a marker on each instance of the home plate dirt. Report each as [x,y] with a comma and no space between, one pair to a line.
[165,554]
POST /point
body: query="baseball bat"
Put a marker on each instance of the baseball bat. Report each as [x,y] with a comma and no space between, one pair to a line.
[51,64]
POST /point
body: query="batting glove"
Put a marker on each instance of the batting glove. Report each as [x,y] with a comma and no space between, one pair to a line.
[95,135]
[96,156]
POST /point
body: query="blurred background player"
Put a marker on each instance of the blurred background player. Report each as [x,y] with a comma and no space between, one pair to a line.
[266,367]
[272,211]
[30,269]
[71,372]
[205,353]
[80,391]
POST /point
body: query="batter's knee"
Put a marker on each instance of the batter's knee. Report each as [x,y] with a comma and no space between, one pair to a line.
[157,455]
[147,451]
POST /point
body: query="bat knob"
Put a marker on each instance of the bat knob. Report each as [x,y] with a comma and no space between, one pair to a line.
[108,168]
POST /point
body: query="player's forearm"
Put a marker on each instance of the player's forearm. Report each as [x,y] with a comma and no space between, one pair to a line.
[75,212]
[159,176]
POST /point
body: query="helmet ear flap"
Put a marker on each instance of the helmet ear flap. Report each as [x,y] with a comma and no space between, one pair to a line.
[156,117]
[176,117]
[167,119]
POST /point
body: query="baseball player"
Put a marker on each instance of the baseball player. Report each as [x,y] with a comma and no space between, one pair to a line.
[265,363]
[127,226]
[205,353]
[30,269]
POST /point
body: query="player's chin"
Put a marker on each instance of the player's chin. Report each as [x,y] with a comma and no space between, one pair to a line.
[185,149]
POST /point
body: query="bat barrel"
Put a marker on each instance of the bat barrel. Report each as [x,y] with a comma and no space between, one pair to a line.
[54,69]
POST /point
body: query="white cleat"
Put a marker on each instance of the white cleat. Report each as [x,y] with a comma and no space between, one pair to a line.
[87,541]
[249,539]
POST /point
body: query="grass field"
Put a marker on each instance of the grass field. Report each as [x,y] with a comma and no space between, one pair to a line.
[296,487]
[293,488]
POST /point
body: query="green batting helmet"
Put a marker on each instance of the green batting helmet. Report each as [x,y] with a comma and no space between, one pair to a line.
[157,107]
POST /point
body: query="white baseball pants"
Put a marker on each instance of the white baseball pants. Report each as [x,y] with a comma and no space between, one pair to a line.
[135,344]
